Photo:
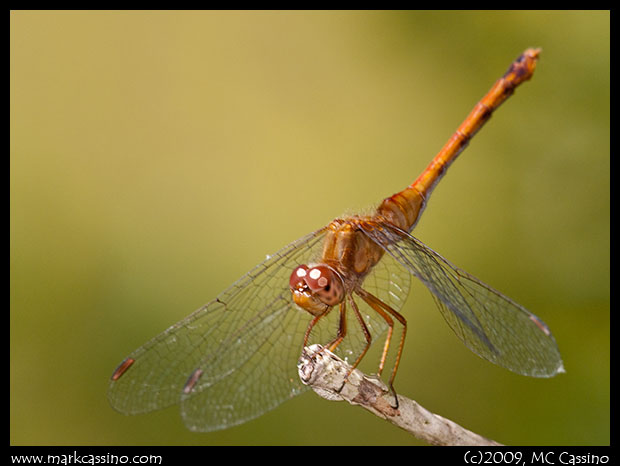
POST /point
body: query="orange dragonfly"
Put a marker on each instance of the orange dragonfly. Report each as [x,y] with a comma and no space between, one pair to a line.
[235,358]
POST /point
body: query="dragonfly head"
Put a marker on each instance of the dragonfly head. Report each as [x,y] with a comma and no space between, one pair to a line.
[317,288]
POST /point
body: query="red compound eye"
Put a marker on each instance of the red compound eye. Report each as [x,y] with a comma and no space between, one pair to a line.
[298,277]
[325,284]
[319,284]
[319,278]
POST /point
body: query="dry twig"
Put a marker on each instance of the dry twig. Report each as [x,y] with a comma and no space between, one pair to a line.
[325,373]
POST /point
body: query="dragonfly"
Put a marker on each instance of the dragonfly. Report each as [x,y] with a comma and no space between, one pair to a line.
[343,286]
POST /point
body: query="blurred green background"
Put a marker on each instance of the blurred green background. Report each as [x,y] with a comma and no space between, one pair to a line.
[158,156]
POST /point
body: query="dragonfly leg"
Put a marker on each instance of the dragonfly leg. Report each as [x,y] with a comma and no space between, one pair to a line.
[365,330]
[342,333]
[383,310]
[312,323]
[388,338]
[342,329]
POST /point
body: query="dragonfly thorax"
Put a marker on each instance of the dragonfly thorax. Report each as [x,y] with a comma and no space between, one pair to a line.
[316,288]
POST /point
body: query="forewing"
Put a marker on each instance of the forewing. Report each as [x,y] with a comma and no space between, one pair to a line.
[245,344]
[489,323]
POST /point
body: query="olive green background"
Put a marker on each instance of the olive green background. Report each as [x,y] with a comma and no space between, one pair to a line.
[158,156]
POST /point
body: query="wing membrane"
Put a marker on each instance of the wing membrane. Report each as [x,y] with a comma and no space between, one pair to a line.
[255,318]
[489,323]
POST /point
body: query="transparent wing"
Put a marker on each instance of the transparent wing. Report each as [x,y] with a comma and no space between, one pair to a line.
[246,343]
[490,324]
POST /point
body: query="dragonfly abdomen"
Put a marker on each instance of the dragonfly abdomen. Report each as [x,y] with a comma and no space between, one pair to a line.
[403,209]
